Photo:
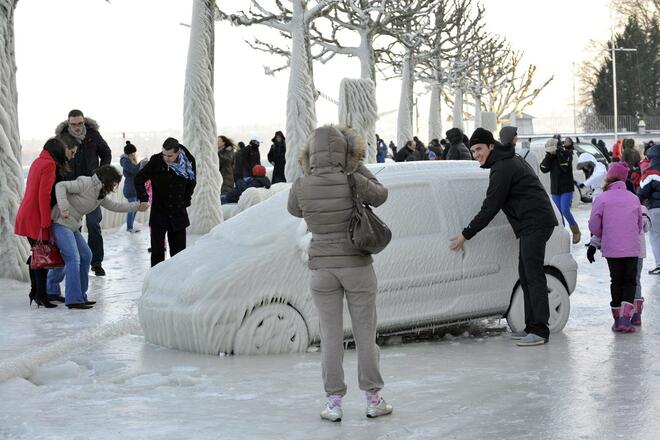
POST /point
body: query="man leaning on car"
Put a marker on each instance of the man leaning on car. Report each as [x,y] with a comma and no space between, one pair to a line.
[515,189]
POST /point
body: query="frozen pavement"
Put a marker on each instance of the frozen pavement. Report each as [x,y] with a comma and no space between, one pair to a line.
[90,375]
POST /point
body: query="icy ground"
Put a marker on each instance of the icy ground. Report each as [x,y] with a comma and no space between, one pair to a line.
[68,374]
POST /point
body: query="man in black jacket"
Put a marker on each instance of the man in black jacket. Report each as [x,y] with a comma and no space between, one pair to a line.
[515,189]
[92,153]
[246,158]
[173,178]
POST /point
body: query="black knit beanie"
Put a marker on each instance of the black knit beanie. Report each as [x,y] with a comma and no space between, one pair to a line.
[482,136]
[129,148]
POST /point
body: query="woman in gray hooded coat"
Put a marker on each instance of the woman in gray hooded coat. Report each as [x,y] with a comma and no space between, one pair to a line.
[323,198]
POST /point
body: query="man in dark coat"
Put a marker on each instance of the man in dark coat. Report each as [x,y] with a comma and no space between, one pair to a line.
[172,173]
[457,149]
[408,153]
[277,157]
[92,153]
[246,158]
[515,189]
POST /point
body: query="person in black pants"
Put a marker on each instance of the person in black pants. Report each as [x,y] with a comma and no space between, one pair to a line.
[92,152]
[173,178]
[515,189]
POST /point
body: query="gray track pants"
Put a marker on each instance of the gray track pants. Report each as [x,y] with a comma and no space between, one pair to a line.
[328,289]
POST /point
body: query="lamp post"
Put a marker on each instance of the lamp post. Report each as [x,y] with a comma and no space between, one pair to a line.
[614,49]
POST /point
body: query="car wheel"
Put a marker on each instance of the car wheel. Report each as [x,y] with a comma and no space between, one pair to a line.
[272,328]
[558,300]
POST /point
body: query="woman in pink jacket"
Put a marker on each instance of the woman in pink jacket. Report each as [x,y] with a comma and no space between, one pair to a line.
[616,222]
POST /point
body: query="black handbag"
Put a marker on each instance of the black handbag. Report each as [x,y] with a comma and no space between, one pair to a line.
[368,233]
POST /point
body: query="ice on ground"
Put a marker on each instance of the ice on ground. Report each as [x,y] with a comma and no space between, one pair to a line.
[586,383]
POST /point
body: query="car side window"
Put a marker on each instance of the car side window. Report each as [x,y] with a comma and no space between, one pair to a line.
[411,209]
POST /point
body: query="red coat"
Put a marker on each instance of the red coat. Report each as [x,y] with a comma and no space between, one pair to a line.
[33,217]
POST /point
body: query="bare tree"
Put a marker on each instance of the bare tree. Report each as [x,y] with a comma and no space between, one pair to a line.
[411,28]
[645,10]
[293,22]
[13,249]
[368,18]
[199,130]
[511,86]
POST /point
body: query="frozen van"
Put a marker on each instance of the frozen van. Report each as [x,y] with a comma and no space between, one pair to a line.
[243,288]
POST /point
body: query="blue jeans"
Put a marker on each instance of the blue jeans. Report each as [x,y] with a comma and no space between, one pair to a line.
[130,217]
[77,260]
[563,203]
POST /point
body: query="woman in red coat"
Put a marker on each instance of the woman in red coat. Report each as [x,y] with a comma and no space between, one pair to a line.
[33,217]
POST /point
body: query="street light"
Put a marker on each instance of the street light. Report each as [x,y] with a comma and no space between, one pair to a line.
[614,50]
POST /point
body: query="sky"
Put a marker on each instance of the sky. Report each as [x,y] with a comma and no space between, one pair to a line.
[123,64]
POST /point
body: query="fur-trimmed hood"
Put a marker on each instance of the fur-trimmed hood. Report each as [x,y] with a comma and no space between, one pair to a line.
[89,122]
[331,149]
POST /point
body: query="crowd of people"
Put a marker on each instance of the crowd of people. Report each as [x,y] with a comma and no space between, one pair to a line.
[72,179]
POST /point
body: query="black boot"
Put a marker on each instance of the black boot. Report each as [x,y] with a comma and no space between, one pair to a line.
[42,300]
[33,281]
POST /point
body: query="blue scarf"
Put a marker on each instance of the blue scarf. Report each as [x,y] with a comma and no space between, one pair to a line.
[183,167]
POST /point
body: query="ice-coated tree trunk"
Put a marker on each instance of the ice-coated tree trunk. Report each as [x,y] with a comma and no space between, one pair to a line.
[367,57]
[14,250]
[199,130]
[404,131]
[300,102]
[458,108]
[358,109]
[477,111]
[435,113]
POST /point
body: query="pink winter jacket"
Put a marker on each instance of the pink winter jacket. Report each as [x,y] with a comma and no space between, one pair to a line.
[616,219]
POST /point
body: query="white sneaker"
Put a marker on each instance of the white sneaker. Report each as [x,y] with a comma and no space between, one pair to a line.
[382,409]
[333,414]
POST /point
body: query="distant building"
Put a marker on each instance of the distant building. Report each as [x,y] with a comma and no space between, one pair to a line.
[522,120]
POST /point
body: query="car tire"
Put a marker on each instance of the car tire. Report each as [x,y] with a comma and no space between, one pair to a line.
[559,302]
[271,329]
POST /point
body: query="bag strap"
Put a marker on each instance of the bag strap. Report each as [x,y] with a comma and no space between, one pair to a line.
[356,197]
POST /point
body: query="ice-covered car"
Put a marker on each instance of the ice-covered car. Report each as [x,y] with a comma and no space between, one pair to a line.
[243,288]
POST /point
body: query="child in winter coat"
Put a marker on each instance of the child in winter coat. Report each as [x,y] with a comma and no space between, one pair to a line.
[616,224]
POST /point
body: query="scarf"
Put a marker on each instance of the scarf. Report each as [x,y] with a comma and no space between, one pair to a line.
[183,167]
[79,137]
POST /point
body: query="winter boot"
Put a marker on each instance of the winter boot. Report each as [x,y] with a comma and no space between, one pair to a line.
[376,406]
[637,316]
[575,229]
[617,318]
[624,318]
[332,410]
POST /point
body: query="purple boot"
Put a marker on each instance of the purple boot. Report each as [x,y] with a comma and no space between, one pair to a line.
[637,315]
[624,318]
[617,319]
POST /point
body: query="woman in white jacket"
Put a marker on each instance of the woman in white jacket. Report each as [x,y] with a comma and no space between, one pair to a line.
[595,173]
[75,199]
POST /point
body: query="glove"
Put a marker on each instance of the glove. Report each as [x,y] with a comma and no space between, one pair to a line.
[551,146]
[591,252]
